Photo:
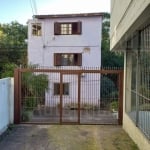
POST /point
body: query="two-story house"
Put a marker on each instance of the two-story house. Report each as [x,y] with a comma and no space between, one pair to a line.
[70,41]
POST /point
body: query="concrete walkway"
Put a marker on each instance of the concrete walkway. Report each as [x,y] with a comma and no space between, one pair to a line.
[66,137]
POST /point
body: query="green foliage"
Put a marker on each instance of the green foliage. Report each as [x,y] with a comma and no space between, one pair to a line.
[33,89]
[109,58]
[34,84]
[108,88]
[13,34]
[30,103]
[114,106]
[26,115]
[13,49]
[8,70]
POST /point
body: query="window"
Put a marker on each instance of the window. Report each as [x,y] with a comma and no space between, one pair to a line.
[57,88]
[67,28]
[67,59]
[36,29]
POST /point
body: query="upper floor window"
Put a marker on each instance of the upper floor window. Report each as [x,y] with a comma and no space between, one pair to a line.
[36,29]
[67,28]
[67,59]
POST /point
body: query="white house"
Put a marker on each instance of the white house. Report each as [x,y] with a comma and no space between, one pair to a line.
[70,41]
[130,33]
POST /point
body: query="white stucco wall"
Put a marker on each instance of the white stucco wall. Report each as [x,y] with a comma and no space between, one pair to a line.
[41,49]
[90,89]
[6,103]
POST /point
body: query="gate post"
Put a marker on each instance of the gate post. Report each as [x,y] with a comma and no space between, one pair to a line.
[16,97]
[79,97]
[61,94]
[120,98]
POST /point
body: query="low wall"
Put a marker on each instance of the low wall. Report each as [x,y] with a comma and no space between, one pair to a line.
[135,133]
[6,103]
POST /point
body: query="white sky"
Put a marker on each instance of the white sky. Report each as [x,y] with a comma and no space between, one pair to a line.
[21,10]
[74,6]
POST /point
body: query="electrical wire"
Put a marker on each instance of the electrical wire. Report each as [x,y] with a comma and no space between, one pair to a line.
[33,7]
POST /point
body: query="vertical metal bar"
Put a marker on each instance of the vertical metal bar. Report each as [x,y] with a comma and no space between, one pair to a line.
[137,90]
[19,94]
[79,96]
[120,98]
[61,95]
[138,78]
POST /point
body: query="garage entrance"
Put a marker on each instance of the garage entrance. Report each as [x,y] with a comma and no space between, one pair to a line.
[68,96]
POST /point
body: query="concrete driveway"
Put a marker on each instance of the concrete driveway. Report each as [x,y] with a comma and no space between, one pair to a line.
[66,137]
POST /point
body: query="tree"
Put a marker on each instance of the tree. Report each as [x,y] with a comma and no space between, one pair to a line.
[109,58]
[13,48]
[8,70]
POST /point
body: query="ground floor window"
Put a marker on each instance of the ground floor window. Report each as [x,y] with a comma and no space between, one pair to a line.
[65,87]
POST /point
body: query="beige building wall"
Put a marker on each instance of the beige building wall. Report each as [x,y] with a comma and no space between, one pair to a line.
[128,125]
[126,16]
[135,133]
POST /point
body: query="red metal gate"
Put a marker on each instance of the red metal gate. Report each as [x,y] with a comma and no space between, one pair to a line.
[61,96]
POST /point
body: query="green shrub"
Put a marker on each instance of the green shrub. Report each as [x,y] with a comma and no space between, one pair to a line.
[30,103]
[114,106]
[26,115]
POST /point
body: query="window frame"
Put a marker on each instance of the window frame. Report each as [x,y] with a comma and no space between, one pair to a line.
[35,31]
[56,90]
[77,60]
[76,28]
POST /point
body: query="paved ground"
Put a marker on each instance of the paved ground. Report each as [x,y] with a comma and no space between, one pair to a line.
[66,137]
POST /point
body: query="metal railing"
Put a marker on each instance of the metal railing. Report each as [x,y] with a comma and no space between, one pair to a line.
[138,81]
[75,95]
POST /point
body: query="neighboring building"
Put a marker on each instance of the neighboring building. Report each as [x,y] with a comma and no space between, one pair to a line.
[130,33]
[66,41]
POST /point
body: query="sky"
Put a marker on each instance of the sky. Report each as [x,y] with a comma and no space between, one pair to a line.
[22,10]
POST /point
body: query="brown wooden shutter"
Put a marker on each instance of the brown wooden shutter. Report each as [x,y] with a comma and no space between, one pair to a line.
[79,59]
[79,27]
[57,59]
[57,29]
[56,88]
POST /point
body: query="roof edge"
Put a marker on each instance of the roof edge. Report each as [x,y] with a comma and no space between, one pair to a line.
[68,15]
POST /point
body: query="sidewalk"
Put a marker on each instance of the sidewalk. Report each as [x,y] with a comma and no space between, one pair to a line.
[67,137]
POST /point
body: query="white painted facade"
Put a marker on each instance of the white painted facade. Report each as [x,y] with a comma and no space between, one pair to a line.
[41,49]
